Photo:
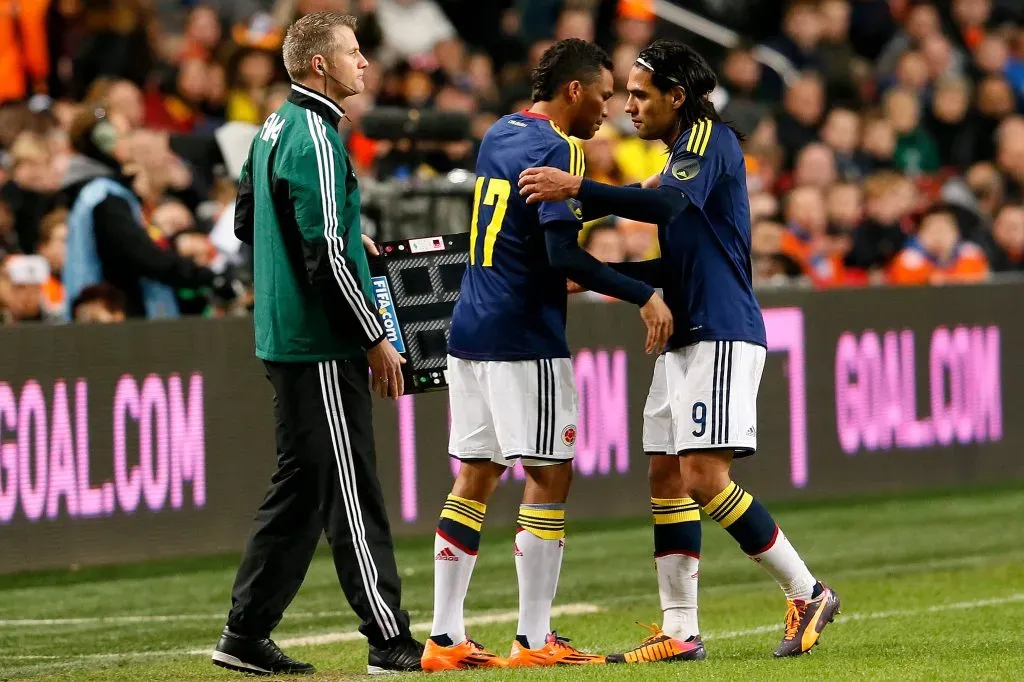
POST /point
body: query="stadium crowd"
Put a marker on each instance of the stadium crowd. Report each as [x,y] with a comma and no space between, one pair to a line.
[884,138]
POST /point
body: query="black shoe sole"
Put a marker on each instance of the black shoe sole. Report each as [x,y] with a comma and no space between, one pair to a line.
[229,662]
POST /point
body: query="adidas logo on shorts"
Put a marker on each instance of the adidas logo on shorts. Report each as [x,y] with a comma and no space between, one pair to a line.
[446,554]
[751,432]
[518,551]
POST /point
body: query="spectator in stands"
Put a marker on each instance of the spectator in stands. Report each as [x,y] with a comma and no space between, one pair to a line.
[841,133]
[600,157]
[805,240]
[575,22]
[106,238]
[878,145]
[815,167]
[53,240]
[1006,253]
[937,255]
[955,132]
[604,242]
[995,104]
[769,265]
[798,124]
[912,72]
[798,45]
[24,57]
[881,236]
[123,101]
[255,71]
[942,57]
[841,64]
[99,303]
[21,288]
[737,92]
[34,178]
[915,151]
[1010,156]
[922,22]
[411,28]
[639,240]
[8,236]
[845,202]
[763,206]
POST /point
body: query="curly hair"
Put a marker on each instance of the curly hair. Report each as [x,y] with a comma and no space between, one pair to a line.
[567,60]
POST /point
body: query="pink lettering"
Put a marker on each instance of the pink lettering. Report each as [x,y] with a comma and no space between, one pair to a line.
[127,485]
[90,500]
[613,392]
[153,428]
[32,411]
[847,394]
[62,457]
[785,331]
[888,381]
[913,432]
[407,457]
[987,386]
[188,444]
[589,416]
[963,372]
[8,454]
[938,366]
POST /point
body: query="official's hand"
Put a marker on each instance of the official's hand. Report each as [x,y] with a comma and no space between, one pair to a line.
[658,319]
[548,184]
[386,365]
[370,246]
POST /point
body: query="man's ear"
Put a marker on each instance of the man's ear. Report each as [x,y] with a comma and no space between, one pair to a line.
[574,91]
[678,98]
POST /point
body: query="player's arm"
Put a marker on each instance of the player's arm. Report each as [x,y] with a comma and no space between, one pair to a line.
[549,184]
[245,205]
[310,173]
[597,211]
[647,271]
[566,254]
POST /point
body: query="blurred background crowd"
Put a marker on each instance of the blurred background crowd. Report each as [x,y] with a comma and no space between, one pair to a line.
[884,138]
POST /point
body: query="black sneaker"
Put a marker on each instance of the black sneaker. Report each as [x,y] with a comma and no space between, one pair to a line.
[400,655]
[255,656]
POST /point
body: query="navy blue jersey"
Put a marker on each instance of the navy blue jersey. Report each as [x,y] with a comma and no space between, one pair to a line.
[707,247]
[512,305]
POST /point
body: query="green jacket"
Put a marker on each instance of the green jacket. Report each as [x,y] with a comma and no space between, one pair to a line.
[298,206]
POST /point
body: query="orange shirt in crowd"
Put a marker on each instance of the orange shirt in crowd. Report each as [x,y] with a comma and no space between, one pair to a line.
[23,47]
[914,265]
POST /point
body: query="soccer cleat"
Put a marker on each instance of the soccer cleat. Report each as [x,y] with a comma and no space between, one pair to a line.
[255,656]
[467,654]
[556,651]
[806,620]
[400,655]
[661,647]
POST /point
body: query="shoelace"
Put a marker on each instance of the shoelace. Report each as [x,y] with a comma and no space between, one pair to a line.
[655,632]
[793,615]
[478,648]
[562,642]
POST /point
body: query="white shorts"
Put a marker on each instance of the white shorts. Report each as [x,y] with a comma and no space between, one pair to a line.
[503,411]
[704,397]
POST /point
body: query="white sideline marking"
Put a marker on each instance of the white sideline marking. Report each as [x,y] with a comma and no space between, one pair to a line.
[169,618]
[883,615]
[315,640]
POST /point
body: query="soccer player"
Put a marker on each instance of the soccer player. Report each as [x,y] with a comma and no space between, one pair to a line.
[701,409]
[510,373]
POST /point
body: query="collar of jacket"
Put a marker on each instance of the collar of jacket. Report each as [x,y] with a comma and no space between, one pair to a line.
[317,103]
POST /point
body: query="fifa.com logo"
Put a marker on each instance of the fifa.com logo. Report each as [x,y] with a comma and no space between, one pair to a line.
[386,308]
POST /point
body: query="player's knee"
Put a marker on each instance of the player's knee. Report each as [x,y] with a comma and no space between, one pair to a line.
[665,476]
[705,475]
[477,480]
[547,484]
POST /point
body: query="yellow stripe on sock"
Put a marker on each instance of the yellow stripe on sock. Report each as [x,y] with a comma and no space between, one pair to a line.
[463,509]
[547,524]
[677,517]
[737,510]
[674,510]
[719,499]
[473,504]
[459,517]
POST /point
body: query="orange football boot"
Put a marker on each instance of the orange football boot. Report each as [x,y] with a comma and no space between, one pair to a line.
[556,651]
[467,654]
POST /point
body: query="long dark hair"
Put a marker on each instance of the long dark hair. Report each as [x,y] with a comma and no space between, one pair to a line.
[675,64]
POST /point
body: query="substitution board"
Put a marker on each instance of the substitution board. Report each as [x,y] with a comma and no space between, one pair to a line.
[415,285]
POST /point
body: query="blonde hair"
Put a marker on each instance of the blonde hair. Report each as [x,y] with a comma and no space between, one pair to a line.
[311,35]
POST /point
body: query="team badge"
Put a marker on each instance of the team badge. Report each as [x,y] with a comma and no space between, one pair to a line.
[687,169]
[576,207]
[569,434]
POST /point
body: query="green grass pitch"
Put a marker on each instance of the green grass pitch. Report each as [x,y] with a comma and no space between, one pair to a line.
[932,588]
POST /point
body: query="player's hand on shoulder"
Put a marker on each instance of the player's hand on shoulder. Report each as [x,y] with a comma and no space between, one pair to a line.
[548,184]
[386,366]
[653,182]
[658,319]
